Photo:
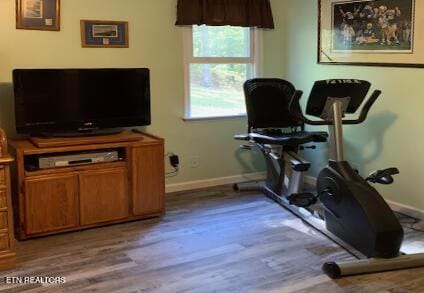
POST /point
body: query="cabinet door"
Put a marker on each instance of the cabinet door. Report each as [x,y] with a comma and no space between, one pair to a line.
[103,196]
[148,179]
[51,203]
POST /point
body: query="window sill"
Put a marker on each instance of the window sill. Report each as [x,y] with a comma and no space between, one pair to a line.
[213,118]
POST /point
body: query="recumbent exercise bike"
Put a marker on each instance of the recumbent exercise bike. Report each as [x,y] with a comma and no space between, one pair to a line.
[345,207]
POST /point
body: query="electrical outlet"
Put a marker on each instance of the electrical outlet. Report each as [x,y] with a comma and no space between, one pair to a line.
[194,162]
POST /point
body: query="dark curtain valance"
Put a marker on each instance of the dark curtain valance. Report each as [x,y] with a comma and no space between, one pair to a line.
[247,13]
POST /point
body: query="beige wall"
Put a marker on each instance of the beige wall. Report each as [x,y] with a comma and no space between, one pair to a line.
[392,136]
[154,43]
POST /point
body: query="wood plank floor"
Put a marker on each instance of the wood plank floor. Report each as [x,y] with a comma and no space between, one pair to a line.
[212,240]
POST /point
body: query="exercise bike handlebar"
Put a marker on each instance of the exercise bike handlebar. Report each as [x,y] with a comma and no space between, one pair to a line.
[294,108]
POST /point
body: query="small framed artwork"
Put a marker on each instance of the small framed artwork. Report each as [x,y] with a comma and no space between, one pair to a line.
[104,34]
[38,15]
[371,33]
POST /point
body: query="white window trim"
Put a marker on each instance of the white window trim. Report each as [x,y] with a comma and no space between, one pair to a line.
[256,59]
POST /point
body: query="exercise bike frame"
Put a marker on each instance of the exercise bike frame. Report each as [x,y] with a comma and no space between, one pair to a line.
[332,116]
[285,177]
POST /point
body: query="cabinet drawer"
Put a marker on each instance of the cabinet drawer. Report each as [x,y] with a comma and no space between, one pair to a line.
[3,198]
[3,220]
[4,242]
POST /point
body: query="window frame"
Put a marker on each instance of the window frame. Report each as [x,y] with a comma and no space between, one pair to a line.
[255,59]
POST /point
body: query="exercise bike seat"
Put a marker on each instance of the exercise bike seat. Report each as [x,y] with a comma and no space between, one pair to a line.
[292,139]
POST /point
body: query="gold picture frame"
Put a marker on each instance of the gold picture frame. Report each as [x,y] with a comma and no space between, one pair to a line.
[38,15]
[371,33]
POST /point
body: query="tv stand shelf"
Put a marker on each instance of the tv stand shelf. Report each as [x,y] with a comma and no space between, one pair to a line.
[50,201]
[78,168]
[45,142]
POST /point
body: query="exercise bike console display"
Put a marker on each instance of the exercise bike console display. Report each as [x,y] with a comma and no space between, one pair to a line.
[354,89]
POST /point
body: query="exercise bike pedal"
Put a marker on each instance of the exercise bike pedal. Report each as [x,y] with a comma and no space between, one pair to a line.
[302,200]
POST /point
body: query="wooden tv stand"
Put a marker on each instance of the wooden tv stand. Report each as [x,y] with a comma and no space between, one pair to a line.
[49,201]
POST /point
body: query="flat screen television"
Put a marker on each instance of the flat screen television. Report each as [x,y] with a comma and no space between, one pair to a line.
[79,100]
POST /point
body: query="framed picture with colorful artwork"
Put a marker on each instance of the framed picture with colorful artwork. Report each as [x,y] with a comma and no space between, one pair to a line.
[104,34]
[38,15]
[371,33]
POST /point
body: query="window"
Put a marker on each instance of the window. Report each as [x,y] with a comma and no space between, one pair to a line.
[218,60]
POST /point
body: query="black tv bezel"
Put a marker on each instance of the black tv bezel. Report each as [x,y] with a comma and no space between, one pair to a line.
[81,126]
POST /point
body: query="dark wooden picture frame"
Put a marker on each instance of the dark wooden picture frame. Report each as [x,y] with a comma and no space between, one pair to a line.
[401,56]
[104,34]
[38,15]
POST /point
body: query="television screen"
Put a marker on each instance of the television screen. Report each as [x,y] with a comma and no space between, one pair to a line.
[51,100]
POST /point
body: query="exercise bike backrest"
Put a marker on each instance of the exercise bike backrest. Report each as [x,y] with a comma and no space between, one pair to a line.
[267,101]
[350,92]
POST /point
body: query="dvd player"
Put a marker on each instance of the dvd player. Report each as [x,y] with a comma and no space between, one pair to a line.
[77,159]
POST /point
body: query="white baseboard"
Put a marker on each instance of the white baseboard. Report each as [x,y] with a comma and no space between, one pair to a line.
[190,185]
[397,207]
[406,210]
